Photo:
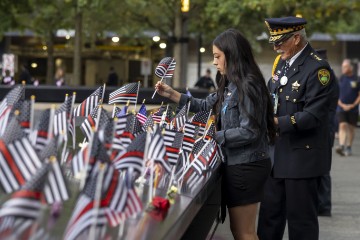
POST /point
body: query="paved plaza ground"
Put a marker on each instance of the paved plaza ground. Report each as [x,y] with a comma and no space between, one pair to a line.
[345,221]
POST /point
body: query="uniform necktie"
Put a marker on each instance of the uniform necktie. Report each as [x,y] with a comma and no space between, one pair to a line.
[287,66]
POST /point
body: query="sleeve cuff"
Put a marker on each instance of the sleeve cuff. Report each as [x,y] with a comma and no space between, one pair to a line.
[287,124]
[183,100]
[220,137]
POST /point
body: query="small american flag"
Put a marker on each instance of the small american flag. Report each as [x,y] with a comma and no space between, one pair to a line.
[173,140]
[189,137]
[134,155]
[78,161]
[157,116]
[7,104]
[123,111]
[42,129]
[56,189]
[165,68]
[124,131]
[181,117]
[116,111]
[18,159]
[89,103]
[200,119]
[141,115]
[148,124]
[157,152]
[86,214]
[124,94]
[25,203]
[61,116]
[91,120]
[210,132]
[24,108]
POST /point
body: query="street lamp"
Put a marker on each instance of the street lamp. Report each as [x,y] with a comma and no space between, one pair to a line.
[185,5]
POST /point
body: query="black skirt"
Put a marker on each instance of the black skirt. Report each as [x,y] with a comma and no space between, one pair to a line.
[244,183]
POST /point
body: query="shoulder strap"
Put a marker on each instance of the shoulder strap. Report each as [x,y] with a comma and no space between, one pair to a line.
[275,64]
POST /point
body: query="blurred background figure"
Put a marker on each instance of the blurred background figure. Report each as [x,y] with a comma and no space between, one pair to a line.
[8,79]
[113,78]
[348,108]
[206,82]
[60,77]
[25,75]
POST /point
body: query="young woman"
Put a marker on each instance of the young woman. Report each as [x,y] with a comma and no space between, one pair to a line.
[245,124]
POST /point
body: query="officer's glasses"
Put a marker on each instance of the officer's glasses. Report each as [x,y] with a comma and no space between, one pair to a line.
[278,44]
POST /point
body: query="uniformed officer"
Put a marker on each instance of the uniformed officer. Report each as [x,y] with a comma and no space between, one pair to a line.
[301,89]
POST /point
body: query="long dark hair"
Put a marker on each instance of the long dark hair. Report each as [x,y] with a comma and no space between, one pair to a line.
[243,71]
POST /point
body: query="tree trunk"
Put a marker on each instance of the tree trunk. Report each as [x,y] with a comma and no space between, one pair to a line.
[77,50]
[50,59]
[177,78]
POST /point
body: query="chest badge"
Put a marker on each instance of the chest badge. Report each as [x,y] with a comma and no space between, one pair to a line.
[283,80]
[295,86]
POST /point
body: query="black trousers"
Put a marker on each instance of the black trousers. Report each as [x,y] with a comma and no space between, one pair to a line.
[291,200]
[324,193]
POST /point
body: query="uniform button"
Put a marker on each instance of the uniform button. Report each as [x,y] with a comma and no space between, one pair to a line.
[307,146]
[294,100]
[280,90]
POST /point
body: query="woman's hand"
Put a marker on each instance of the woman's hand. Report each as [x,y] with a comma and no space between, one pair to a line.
[166,91]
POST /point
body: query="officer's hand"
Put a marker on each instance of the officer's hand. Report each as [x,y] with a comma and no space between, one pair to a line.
[276,121]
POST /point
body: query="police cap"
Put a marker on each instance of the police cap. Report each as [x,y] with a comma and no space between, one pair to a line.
[281,28]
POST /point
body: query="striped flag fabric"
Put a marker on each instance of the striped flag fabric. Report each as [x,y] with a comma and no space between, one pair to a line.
[210,132]
[157,152]
[62,115]
[55,189]
[200,119]
[165,68]
[124,94]
[84,108]
[22,111]
[189,137]
[5,111]
[7,104]
[157,116]
[90,122]
[18,159]
[167,115]
[141,115]
[86,213]
[149,123]
[134,155]
[78,161]
[124,132]
[42,129]
[172,141]
[25,203]
[202,153]
[181,117]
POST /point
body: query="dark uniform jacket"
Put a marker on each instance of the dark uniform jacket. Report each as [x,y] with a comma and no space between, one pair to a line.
[240,142]
[302,146]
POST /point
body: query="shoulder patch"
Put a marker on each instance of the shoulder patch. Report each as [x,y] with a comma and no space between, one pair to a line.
[324,76]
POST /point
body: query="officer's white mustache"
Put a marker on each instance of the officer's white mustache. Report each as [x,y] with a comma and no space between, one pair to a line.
[279,51]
